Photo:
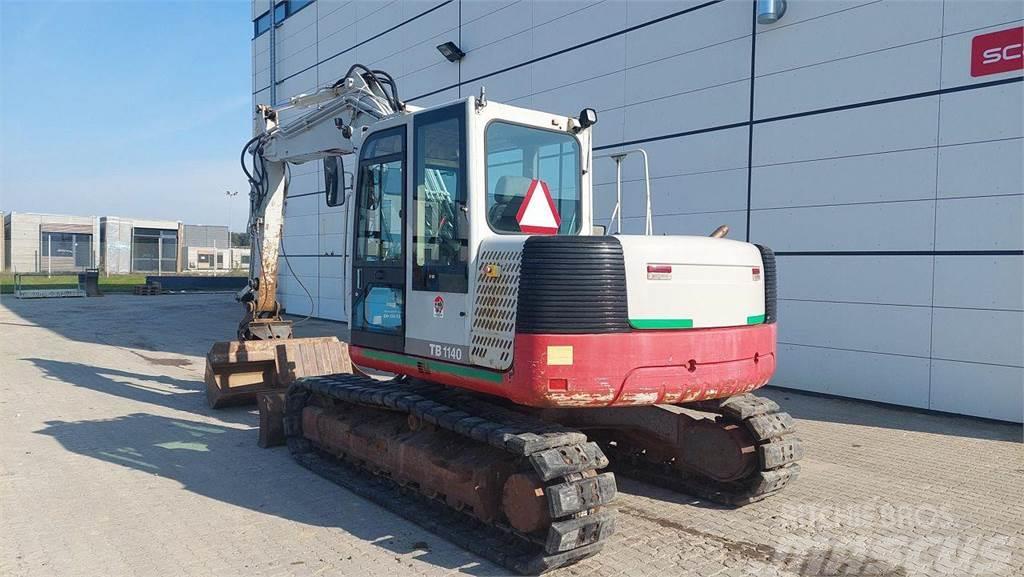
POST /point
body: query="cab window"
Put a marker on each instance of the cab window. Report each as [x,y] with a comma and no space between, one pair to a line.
[519,156]
[379,222]
[441,229]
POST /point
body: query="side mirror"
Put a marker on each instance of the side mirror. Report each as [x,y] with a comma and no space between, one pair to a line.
[334,180]
[599,230]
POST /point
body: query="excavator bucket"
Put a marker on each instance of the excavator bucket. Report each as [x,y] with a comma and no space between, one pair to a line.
[237,371]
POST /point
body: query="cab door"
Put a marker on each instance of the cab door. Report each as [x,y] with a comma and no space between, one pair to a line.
[378,260]
[438,299]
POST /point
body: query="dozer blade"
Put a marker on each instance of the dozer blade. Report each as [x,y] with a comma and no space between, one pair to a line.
[237,371]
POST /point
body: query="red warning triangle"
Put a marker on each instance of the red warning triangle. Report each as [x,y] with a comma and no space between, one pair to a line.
[537,214]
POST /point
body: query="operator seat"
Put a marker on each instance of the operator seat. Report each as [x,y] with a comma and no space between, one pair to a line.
[509,194]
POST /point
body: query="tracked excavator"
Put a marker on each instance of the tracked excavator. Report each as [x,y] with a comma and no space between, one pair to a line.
[528,347]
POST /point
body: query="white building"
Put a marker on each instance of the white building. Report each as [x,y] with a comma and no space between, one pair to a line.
[139,245]
[876,146]
[37,242]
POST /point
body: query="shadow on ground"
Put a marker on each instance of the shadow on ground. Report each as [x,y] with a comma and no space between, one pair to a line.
[213,462]
[867,414]
[182,324]
[161,390]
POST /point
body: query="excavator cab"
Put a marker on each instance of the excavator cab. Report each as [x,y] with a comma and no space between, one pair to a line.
[430,188]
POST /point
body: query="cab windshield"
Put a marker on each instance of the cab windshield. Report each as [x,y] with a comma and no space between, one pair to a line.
[524,165]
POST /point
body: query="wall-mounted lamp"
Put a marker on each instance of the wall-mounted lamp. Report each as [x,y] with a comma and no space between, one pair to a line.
[770,11]
[451,51]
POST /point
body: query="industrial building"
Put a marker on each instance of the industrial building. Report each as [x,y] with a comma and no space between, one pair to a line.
[876,146]
[117,245]
[136,245]
[50,242]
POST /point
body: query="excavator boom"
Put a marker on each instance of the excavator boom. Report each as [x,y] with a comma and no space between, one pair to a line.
[266,355]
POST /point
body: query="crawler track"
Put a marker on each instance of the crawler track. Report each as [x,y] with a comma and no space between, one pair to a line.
[570,523]
[773,439]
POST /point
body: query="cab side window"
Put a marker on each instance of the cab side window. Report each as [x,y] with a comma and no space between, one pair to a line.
[441,229]
[379,223]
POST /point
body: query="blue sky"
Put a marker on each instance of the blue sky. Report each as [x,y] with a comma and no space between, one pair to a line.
[125,108]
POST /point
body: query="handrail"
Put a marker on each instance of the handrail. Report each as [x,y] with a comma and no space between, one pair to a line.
[616,216]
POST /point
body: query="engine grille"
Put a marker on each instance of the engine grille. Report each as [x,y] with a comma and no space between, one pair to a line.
[494,310]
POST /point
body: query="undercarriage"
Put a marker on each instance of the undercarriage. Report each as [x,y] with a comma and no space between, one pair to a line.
[512,488]
[733,451]
[523,487]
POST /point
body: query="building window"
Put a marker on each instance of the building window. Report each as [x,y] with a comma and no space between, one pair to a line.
[296,5]
[261,24]
[280,12]
[63,251]
[154,250]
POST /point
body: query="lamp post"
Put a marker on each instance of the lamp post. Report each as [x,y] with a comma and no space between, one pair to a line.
[230,194]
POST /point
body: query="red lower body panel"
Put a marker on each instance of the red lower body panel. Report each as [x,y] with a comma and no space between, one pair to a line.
[619,369]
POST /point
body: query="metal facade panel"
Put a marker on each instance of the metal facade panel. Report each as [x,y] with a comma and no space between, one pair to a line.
[998,160]
[989,391]
[986,223]
[982,336]
[1001,276]
[881,377]
[884,177]
[891,329]
[883,128]
[856,279]
[843,34]
[979,115]
[870,76]
[896,226]
[967,15]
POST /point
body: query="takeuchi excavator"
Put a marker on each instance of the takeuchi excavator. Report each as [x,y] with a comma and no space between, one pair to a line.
[528,347]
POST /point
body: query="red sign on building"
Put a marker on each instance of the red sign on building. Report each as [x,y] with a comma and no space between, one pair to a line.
[997,52]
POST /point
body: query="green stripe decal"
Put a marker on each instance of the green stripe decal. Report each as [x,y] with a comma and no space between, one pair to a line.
[661,323]
[755,320]
[436,366]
